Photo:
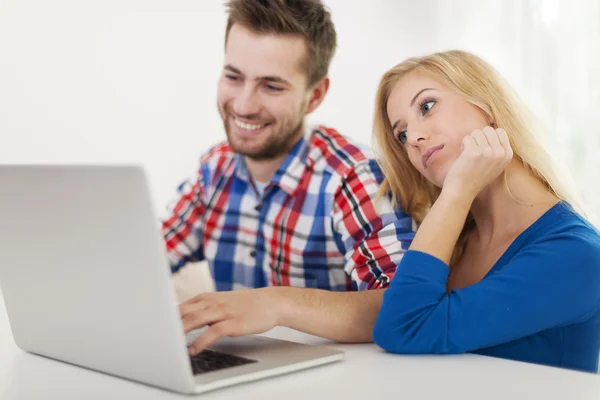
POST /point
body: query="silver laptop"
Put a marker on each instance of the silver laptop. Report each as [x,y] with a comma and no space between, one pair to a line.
[85,280]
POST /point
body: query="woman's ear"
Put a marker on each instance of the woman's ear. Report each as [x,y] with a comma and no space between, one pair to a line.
[490,120]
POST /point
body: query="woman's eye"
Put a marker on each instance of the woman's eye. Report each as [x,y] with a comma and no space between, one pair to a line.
[428,105]
[402,137]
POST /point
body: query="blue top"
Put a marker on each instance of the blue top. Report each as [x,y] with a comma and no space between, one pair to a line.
[539,303]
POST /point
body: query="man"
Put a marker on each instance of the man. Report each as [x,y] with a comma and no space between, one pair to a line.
[284,209]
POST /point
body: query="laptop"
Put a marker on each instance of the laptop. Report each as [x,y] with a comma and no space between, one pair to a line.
[85,280]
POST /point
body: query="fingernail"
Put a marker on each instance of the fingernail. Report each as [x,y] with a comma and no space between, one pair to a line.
[192,350]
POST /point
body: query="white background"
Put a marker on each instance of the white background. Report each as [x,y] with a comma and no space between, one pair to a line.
[135,81]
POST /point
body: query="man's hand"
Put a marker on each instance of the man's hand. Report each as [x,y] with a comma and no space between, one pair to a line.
[237,313]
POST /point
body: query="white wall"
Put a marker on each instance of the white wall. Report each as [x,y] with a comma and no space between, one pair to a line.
[135,81]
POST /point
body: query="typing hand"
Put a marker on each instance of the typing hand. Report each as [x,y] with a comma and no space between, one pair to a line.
[235,313]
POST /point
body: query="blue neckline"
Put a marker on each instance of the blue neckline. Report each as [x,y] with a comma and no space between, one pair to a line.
[516,245]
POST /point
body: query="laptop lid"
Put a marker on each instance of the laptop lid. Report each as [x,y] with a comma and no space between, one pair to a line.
[84,275]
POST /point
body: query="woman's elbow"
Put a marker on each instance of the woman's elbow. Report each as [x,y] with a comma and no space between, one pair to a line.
[388,338]
[407,338]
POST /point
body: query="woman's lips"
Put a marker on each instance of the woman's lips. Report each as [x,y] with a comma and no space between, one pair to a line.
[429,153]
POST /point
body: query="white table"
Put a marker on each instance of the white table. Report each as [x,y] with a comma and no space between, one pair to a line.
[367,373]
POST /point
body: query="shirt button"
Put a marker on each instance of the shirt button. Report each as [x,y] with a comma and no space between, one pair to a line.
[253,254]
[383,280]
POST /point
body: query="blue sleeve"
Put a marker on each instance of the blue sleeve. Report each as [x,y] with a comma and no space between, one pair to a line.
[546,284]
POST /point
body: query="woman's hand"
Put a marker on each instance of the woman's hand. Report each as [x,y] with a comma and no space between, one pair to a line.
[485,154]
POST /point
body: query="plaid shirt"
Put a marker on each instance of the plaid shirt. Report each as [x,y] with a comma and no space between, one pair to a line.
[315,225]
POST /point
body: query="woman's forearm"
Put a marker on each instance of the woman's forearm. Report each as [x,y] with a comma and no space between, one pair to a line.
[442,226]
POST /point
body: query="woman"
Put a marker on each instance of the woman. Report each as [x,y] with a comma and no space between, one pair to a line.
[502,264]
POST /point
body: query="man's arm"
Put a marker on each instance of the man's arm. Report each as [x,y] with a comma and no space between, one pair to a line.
[182,227]
[369,231]
[373,239]
[344,317]
[373,236]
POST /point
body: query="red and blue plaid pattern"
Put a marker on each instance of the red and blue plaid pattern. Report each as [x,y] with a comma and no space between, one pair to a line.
[317,224]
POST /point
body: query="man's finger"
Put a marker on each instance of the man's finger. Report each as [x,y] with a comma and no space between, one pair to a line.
[211,335]
[202,297]
[185,309]
[199,319]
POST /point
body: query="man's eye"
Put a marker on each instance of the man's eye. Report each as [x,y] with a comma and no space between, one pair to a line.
[273,88]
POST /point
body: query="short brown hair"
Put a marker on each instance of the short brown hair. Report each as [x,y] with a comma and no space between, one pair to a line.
[307,18]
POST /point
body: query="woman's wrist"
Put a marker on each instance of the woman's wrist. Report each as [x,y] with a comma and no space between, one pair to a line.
[454,197]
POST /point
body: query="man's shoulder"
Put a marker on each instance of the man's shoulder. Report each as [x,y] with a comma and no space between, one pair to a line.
[218,153]
[331,151]
[217,160]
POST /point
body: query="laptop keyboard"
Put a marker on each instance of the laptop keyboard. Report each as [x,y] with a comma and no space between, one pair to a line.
[209,360]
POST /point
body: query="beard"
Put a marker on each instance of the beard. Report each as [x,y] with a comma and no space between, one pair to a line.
[270,145]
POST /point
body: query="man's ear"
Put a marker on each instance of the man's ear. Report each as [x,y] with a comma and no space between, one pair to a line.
[317,94]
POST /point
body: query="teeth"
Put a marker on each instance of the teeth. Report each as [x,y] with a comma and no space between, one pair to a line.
[248,127]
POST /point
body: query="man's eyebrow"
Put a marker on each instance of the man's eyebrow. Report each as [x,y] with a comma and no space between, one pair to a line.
[233,69]
[275,79]
[268,78]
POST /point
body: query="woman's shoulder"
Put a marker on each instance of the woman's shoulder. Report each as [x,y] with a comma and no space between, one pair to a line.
[562,218]
[564,228]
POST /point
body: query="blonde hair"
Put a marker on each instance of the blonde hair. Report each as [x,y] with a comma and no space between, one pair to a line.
[480,84]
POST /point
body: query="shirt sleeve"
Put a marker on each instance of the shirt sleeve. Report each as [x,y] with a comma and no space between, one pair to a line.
[546,284]
[370,233]
[182,226]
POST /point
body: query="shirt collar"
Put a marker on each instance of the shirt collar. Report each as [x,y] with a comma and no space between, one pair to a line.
[289,174]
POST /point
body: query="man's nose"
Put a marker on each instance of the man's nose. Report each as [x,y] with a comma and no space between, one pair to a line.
[246,102]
